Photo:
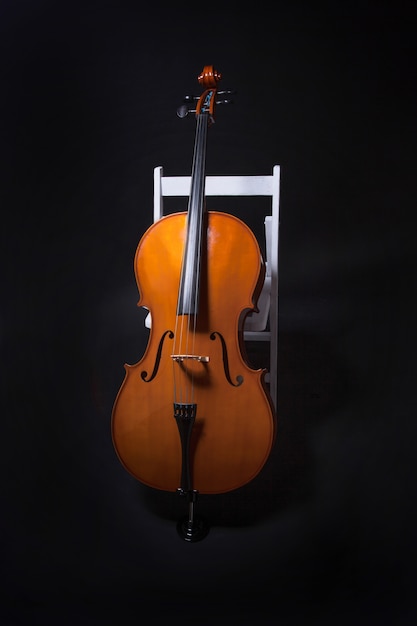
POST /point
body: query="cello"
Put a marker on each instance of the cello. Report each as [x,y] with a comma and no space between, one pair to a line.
[191,415]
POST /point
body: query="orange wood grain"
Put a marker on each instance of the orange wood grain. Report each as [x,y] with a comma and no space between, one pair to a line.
[235,425]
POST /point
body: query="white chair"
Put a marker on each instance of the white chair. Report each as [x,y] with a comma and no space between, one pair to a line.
[256,324]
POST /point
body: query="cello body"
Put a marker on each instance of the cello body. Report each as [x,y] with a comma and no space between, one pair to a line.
[192,415]
[234,426]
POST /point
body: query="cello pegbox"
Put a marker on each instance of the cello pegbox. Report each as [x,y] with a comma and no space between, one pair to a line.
[208,78]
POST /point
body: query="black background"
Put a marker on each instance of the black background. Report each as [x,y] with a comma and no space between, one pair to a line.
[89,92]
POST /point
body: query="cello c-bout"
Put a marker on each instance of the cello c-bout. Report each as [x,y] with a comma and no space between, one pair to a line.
[192,415]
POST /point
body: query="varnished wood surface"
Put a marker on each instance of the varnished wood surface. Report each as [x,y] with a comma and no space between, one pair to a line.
[235,425]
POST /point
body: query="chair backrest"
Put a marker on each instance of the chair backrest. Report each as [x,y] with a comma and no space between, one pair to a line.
[256,324]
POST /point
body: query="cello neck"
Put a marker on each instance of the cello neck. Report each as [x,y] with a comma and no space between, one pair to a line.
[191,264]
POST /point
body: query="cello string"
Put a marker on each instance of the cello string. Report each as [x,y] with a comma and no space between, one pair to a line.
[190,279]
[203,119]
[194,293]
[184,308]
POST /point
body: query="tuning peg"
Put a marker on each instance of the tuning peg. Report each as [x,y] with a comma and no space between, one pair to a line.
[188,101]
[184,110]
[224,92]
[191,98]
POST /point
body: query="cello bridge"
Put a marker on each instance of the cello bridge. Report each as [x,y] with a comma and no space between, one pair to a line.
[180,358]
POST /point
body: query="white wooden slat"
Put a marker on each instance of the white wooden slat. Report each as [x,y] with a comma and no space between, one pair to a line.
[220,185]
